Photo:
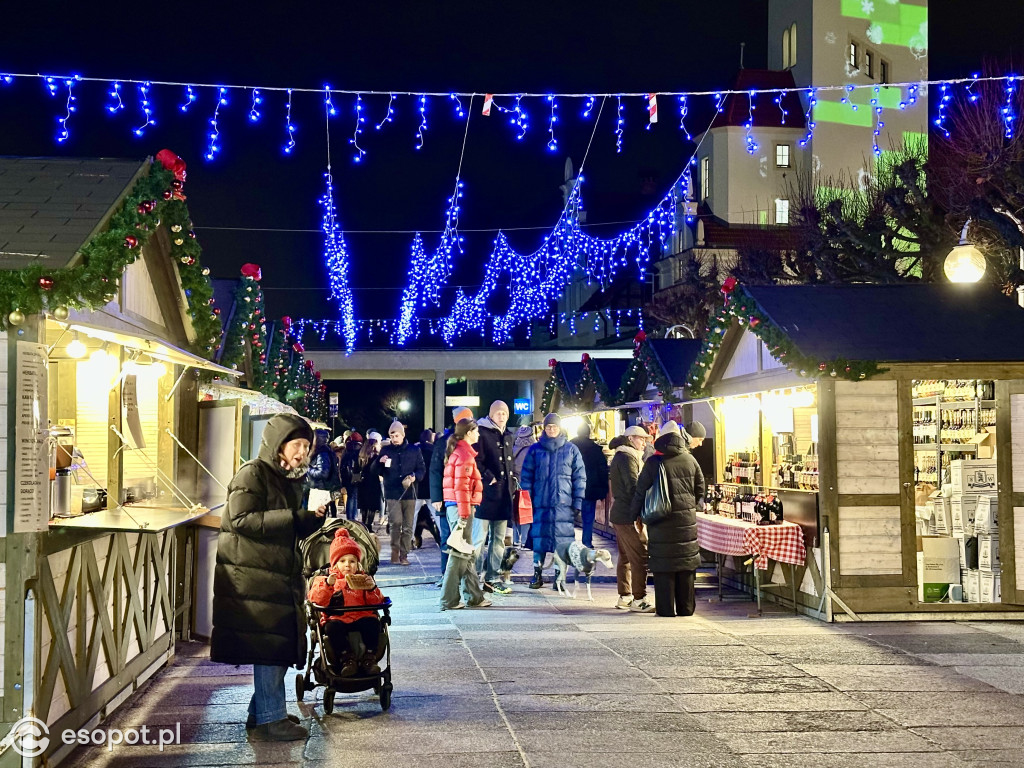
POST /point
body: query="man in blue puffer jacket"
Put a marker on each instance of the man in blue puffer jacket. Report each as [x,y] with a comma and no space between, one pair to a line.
[556,478]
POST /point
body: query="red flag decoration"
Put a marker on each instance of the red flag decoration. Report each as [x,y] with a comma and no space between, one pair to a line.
[652,107]
[488,102]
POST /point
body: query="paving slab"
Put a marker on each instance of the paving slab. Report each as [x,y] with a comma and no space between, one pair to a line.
[854,760]
[768,702]
[763,722]
[684,758]
[864,743]
[889,677]
[1009,679]
[958,738]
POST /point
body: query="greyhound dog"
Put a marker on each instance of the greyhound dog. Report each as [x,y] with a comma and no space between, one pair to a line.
[581,558]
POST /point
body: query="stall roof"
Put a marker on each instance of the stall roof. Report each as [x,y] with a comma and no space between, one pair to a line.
[938,322]
[51,206]
[676,357]
[611,370]
[571,375]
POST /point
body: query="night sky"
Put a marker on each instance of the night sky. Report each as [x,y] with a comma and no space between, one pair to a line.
[538,47]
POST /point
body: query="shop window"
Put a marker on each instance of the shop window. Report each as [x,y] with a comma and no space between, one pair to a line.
[782,155]
[762,217]
[853,55]
[869,64]
[782,211]
[883,71]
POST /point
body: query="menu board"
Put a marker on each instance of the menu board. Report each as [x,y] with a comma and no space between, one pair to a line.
[31,436]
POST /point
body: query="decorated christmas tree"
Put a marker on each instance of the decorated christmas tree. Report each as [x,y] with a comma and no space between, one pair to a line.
[245,344]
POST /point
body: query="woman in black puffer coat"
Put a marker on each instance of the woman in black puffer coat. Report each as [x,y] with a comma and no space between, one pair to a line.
[672,543]
[258,591]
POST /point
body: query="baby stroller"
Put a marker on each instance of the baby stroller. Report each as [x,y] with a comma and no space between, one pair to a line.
[323,670]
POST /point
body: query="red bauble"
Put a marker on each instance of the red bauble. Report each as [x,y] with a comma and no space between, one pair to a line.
[168,194]
[729,285]
[130,241]
[585,358]
[286,322]
[177,185]
[754,322]
[253,271]
[309,364]
[552,362]
[821,366]
[216,310]
[46,283]
[316,375]
[142,209]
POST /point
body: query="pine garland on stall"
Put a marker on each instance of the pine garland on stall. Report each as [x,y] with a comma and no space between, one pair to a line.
[277,361]
[740,308]
[156,200]
[247,332]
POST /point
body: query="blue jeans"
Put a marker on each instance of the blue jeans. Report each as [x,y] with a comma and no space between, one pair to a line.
[489,560]
[446,530]
[268,704]
[352,505]
[588,511]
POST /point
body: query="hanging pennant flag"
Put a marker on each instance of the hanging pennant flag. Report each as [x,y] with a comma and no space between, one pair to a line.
[488,101]
[652,107]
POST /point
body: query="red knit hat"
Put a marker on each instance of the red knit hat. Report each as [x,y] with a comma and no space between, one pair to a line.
[344,544]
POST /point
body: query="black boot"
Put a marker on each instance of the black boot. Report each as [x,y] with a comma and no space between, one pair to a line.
[538,579]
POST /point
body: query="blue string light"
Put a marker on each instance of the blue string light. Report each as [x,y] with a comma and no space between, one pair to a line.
[812,101]
[254,112]
[459,111]
[973,97]
[683,110]
[911,98]
[719,100]
[214,148]
[390,114]
[846,98]
[289,127]
[752,145]
[589,107]
[51,85]
[782,109]
[1009,117]
[423,121]
[63,134]
[354,141]
[879,125]
[552,142]
[520,119]
[6,79]
[145,108]
[190,97]
[411,294]
[116,104]
[619,122]
[336,260]
[944,98]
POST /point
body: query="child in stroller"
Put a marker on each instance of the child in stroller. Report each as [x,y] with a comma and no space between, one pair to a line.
[352,637]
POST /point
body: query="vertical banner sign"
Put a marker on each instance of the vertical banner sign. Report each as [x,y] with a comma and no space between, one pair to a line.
[130,411]
[333,404]
[32,459]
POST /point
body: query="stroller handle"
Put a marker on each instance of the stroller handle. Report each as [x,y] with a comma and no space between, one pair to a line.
[351,608]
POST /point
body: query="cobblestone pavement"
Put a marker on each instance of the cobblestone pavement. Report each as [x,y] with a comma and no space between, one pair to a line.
[541,681]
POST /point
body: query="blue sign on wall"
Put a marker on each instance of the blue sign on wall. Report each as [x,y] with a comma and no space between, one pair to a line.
[522,406]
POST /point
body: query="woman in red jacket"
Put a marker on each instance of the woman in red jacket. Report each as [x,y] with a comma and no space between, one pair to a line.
[463,491]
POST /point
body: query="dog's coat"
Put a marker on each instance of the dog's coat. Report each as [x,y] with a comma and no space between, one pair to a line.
[583,559]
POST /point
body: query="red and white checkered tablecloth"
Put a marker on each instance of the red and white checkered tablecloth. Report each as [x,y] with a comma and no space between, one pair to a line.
[784,543]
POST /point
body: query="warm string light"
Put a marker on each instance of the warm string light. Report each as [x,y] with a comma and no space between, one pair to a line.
[190,97]
[116,104]
[390,113]
[63,134]
[145,108]
[254,112]
[423,121]
[354,141]
[214,147]
[552,119]
[289,127]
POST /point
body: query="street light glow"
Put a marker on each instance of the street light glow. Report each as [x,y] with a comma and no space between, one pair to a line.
[404,406]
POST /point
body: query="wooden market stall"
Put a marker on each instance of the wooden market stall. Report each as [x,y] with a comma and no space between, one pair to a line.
[102,410]
[890,421]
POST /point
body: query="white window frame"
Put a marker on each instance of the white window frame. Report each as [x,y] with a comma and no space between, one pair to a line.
[705,177]
[853,54]
[785,48]
[792,45]
[782,210]
[788,160]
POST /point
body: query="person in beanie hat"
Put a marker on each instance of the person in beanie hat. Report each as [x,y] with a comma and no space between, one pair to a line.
[436,477]
[258,589]
[354,637]
[555,476]
[401,467]
[673,553]
[697,434]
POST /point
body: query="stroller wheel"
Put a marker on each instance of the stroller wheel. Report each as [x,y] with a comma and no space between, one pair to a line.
[385,697]
[300,687]
[329,701]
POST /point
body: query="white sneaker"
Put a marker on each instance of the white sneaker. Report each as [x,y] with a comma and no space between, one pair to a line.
[484,603]
[641,606]
[624,602]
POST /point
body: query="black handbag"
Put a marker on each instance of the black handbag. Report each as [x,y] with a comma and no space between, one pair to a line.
[657,503]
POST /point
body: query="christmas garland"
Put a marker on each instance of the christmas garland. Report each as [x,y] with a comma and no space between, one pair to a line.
[248,328]
[155,200]
[655,372]
[741,308]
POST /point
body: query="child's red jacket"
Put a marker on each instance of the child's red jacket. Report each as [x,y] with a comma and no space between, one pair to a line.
[462,481]
[321,593]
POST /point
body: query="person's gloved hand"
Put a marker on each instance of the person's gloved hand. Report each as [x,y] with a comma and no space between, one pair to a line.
[701,506]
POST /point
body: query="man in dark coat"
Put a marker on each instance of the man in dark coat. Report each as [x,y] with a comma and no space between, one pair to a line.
[347,469]
[322,478]
[258,591]
[631,571]
[672,543]
[401,466]
[496,462]
[436,474]
[554,474]
[597,480]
